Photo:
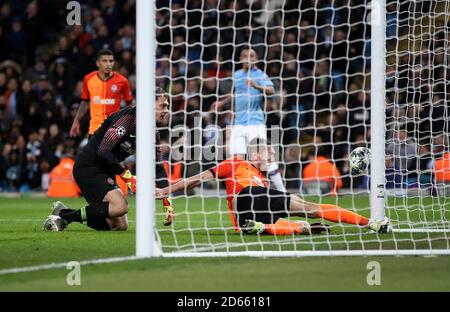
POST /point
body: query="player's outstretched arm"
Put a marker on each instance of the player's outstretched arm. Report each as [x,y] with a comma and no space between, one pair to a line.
[184,184]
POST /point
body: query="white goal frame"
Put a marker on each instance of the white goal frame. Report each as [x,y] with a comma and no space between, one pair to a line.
[147,242]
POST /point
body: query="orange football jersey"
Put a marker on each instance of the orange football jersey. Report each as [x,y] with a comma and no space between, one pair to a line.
[237,175]
[104,96]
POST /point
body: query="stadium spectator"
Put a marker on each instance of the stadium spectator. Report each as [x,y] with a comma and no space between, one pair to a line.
[43,61]
[25,96]
[62,183]
[11,96]
[35,153]
[61,78]
[394,179]
[441,164]
[14,172]
[6,117]
[320,175]
[404,151]
[17,40]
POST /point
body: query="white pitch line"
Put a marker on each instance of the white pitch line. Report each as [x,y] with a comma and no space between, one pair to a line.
[425,230]
[37,220]
[20,220]
[263,254]
[64,264]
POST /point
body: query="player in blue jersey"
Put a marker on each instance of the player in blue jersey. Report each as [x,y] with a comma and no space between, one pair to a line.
[251,85]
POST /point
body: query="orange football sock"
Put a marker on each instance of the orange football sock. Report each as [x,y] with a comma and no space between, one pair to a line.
[337,214]
[283,227]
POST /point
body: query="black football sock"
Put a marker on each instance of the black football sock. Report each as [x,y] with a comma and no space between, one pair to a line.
[96,211]
[99,225]
[66,211]
[71,215]
[92,211]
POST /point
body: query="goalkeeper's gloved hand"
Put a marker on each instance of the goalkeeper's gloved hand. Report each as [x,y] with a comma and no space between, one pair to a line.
[169,212]
[129,179]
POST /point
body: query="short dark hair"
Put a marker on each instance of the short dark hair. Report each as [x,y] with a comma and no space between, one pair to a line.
[104,52]
[160,92]
[245,47]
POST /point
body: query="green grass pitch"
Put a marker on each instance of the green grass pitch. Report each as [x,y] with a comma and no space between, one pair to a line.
[204,225]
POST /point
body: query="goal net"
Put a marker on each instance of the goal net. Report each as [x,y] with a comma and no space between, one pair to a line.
[309,85]
[417,118]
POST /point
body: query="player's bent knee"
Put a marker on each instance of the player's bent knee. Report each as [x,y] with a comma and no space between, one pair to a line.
[120,227]
[123,207]
[118,205]
[118,209]
[119,224]
[123,224]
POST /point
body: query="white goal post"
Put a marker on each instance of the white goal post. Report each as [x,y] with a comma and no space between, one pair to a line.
[377,86]
[324,58]
[146,243]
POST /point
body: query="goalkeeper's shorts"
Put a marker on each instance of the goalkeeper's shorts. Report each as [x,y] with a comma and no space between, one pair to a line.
[261,204]
[94,182]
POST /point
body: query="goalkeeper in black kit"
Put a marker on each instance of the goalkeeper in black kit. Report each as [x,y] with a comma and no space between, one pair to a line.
[95,168]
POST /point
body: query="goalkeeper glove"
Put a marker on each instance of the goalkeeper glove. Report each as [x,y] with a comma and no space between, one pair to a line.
[129,179]
[169,212]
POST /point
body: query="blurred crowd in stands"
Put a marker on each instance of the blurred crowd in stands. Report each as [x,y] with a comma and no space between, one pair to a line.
[315,52]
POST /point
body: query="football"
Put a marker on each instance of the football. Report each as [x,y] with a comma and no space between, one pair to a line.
[359,160]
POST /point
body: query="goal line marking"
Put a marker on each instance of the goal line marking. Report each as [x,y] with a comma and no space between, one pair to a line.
[258,254]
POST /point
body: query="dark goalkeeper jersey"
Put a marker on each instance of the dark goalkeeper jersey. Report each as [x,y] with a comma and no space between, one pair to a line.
[112,143]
